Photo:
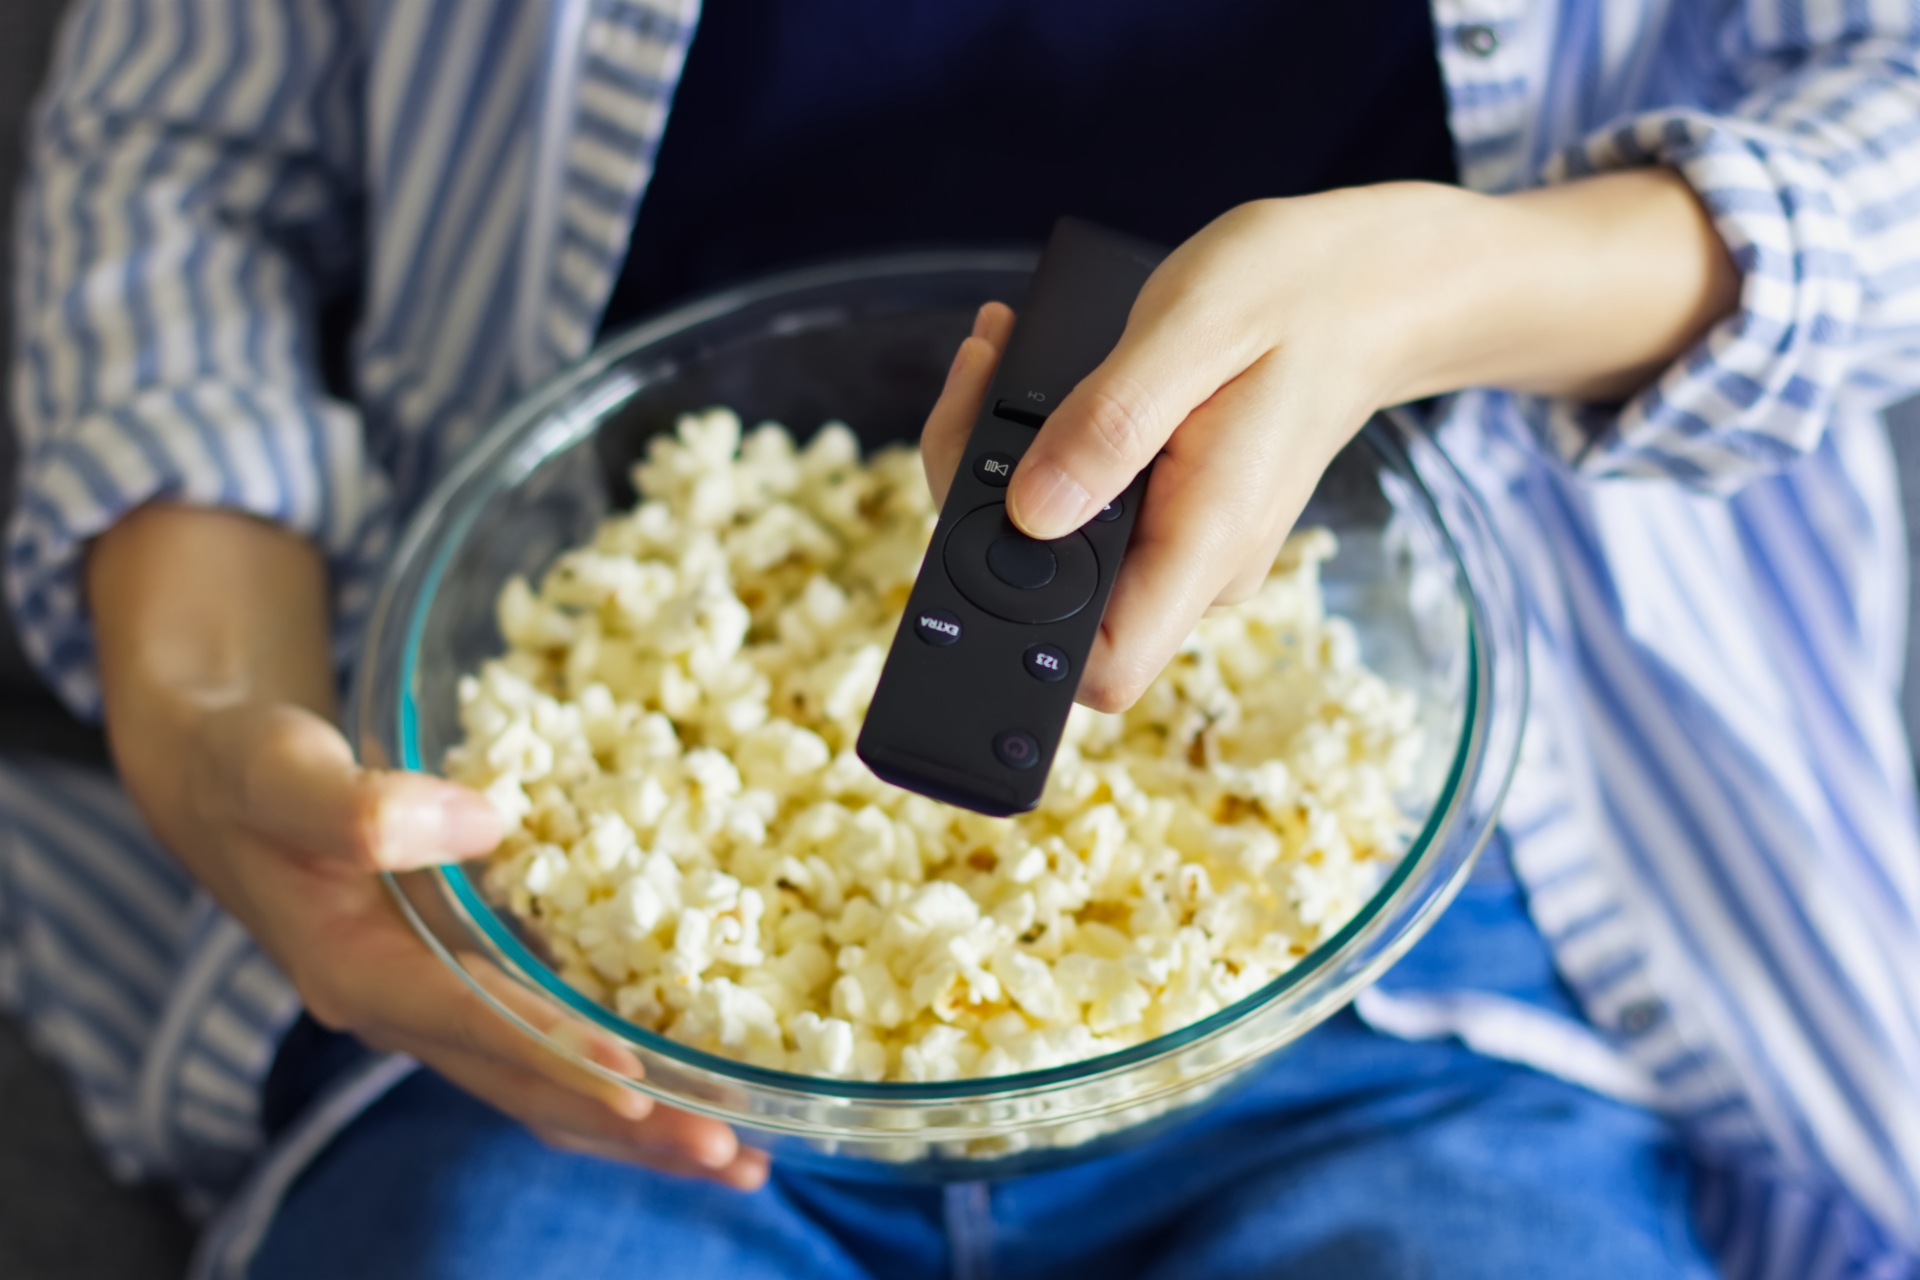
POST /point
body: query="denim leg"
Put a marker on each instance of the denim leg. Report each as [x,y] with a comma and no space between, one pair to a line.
[1495,1180]
[1365,1158]
[430,1184]
[1350,1155]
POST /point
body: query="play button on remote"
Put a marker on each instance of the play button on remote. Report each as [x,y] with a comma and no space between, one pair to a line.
[1014,577]
[1021,562]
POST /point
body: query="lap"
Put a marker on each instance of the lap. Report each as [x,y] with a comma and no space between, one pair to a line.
[431,1184]
[1351,1154]
[1372,1159]
[1354,1155]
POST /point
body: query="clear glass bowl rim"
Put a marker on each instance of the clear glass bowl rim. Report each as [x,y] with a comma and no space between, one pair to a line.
[558,415]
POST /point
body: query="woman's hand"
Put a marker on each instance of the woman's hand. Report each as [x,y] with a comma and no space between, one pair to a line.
[213,654]
[1261,345]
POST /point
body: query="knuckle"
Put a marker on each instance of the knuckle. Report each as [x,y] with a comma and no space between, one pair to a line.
[364,829]
[1110,694]
[1122,421]
[328,1006]
[1239,591]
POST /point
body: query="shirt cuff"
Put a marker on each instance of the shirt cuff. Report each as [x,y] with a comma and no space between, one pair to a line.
[273,454]
[1754,393]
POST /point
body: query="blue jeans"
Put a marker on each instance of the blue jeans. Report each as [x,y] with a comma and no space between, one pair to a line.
[1352,1156]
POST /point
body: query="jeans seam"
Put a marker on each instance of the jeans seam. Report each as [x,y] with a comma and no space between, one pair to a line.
[969,1223]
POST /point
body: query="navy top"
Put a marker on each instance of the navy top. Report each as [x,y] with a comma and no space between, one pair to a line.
[804,130]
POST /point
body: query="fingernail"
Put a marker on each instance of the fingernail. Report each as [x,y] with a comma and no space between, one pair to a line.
[980,321]
[462,825]
[720,1151]
[1046,502]
[469,824]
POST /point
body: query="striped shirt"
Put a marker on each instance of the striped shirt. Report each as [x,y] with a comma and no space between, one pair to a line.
[1715,815]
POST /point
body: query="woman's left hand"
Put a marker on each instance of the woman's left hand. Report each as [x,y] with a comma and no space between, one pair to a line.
[1261,345]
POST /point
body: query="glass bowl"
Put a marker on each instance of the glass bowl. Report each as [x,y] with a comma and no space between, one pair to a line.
[868,342]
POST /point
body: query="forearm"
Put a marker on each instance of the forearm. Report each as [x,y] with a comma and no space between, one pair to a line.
[1588,289]
[196,611]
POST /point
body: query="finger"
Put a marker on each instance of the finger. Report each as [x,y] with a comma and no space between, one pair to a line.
[746,1172]
[1254,572]
[570,1034]
[674,1140]
[380,982]
[537,1103]
[944,438]
[293,778]
[707,1142]
[1231,482]
[1185,339]
[459,1034]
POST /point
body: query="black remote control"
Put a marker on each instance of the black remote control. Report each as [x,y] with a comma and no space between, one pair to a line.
[983,670]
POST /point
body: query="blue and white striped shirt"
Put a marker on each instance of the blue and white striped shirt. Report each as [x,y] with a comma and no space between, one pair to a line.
[1715,817]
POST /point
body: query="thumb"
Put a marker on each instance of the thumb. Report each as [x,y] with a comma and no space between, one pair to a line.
[293,779]
[1174,354]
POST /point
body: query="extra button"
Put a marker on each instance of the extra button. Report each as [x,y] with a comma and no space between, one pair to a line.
[937,627]
[1016,750]
[1047,662]
[994,469]
[1110,512]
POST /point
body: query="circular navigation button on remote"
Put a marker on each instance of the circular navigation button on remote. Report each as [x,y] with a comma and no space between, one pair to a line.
[1021,562]
[994,469]
[1016,750]
[937,627]
[1076,569]
[1110,512]
[1047,662]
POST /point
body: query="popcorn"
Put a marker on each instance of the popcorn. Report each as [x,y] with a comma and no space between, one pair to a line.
[670,741]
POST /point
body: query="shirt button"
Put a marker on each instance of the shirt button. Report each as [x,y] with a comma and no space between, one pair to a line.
[1641,1017]
[1479,40]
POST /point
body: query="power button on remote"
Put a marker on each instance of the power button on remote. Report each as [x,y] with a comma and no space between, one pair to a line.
[1016,750]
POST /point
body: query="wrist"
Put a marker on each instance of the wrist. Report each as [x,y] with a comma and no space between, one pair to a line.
[1586,290]
[198,613]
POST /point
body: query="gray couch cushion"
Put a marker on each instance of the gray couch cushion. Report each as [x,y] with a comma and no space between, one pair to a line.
[30,718]
[61,1218]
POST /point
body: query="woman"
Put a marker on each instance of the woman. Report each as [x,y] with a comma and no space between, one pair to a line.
[1670,293]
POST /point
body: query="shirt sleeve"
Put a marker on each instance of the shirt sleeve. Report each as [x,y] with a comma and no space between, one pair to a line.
[189,204]
[1813,181]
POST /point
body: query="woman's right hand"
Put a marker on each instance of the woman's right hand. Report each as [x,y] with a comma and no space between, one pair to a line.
[212,633]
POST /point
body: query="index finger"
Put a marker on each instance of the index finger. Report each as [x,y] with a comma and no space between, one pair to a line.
[1179,347]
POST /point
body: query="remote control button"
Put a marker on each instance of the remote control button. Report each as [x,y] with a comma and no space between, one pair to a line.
[937,627]
[1021,562]
[1047,662]
[994,469]
[1110,512]
[1014,413]
[1016,750]
[964,554]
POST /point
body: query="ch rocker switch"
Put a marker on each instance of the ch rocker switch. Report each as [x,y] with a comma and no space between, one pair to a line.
[977,723]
